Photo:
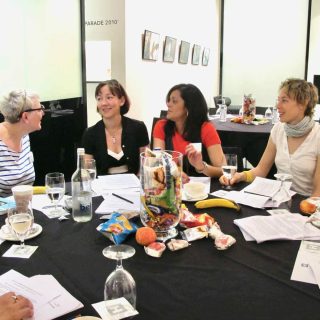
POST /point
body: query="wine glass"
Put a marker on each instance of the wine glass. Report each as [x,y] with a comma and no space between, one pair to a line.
[90,165]
[20,221]
[55,189]
[230,167]
[120,283]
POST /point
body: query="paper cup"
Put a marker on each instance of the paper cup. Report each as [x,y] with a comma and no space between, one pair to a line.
[22,195]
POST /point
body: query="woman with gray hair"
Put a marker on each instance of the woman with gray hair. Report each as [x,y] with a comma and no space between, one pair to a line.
[22,113]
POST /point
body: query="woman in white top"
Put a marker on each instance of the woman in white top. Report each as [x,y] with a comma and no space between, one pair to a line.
[294,143]
[22,113]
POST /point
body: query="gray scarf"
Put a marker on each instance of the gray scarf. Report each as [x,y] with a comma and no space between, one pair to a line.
[299,129]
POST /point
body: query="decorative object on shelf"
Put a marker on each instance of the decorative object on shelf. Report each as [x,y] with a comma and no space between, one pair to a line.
[196,54]
[184,52]
[205,56]
[150,45]
[169,50]
[248,108]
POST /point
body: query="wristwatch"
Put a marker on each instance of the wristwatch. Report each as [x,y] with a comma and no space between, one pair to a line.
[205,165]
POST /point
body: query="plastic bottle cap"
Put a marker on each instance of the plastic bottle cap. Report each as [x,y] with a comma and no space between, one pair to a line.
[80,151]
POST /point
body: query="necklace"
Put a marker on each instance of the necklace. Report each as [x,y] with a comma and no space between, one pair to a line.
[113,136]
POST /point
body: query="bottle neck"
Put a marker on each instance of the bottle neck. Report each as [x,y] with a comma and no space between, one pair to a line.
[80,161]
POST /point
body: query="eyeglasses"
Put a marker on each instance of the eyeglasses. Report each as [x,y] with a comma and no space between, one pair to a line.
[42,108]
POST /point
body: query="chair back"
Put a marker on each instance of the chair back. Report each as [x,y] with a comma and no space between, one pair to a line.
[154,121]
[218,100]
[163,113]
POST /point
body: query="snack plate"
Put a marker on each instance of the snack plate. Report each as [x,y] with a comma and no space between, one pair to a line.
[6,234]
[186,199]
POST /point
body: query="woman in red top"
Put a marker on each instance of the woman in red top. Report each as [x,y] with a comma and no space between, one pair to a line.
[187,123]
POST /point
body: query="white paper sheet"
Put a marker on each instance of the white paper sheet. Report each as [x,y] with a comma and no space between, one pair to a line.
[50,300]
[105,184]
[112,203]
[278,227]
[307,265]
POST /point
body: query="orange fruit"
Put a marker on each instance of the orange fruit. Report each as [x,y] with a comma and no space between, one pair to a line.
[145,236]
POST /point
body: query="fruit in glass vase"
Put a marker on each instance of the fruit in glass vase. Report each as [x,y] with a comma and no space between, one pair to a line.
[307,207]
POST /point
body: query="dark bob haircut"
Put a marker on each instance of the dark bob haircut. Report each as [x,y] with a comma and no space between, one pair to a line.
[117,90]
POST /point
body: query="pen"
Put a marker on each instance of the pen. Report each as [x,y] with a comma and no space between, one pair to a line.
[122,198]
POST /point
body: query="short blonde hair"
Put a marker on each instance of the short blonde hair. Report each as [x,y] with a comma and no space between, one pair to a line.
[14,103]
[303,92]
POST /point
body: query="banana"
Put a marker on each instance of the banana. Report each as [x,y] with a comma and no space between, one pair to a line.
[39,190]
[217,202]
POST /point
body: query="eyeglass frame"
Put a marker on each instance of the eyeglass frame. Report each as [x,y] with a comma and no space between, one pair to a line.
[42,108]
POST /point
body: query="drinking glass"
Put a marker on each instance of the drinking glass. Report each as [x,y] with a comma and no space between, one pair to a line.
[20,222]
[55,189]
[120,283]
[230,168]
[90,165]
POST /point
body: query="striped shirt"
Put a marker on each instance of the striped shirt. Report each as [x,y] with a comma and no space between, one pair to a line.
[15,167]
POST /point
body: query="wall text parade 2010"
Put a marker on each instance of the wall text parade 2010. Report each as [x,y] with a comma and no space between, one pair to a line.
[102,22]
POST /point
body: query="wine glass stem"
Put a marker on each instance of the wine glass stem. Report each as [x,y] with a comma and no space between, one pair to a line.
[119,264]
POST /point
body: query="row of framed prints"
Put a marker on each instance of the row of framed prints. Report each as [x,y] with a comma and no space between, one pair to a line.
[151,48]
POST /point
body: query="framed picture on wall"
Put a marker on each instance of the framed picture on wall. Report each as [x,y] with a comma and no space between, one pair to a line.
[205,56]
[169,50]
[196,54]
[184,52]
[150,45]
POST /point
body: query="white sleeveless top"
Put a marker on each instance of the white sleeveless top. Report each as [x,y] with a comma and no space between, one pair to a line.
[302,163]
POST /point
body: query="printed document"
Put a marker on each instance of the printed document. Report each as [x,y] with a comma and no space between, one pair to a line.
[307,265]
[290,226]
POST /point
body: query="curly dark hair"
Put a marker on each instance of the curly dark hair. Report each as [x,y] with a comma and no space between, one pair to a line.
[117,90]
[197,108]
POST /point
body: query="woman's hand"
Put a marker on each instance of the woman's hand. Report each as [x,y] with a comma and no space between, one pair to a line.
[238,176]
[14,307]
[185,177]
[194,157]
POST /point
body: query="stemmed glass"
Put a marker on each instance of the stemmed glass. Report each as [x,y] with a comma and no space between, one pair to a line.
[230,168]
[55,189]
[120,283]
[20,221]
[90,165]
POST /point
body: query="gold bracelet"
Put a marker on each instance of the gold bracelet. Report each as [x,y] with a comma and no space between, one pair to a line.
[248,176]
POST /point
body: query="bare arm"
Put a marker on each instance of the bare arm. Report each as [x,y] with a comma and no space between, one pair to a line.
[213,169]
[158,143]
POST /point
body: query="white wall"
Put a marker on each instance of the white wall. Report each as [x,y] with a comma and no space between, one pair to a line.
[147,82]
[314,49]
[41,47]
[264,43]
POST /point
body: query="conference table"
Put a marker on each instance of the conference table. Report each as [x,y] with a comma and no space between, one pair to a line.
[252,139]
[247,281]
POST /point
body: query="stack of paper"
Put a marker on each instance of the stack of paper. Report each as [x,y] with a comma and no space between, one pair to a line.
[121,193]
[261,193]
[50,300]
[288,226]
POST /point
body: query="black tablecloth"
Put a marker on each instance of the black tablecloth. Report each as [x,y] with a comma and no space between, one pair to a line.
[247,281]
